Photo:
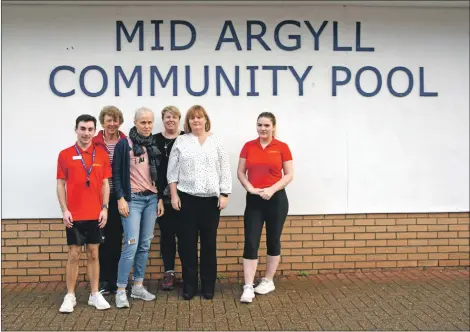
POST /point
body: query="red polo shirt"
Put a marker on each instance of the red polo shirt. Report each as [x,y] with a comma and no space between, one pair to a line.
[83,202]
[264,166]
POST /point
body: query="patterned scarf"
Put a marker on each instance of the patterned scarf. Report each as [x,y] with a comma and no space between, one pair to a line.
[154,154]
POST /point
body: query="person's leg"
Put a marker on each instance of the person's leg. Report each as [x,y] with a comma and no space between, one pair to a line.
[104,252]
[94,237]
[187,244]
[110,250]
[167,238]
[275,219]
[208,223]
[147,227]
[167,224]
[275,215]
[253,226]
[71,278]
[93,266]
[72,268]
[131,227]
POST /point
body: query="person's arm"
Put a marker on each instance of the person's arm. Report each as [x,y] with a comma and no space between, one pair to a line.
[225,177]
[288,170]
[120,153]
[173,174]
[103,218]
[105,191]
[118,160]
[62,197]
[160,181]
[241,174]
[61,192]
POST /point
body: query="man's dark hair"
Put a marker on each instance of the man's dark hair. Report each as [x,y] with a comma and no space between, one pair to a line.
[85,118]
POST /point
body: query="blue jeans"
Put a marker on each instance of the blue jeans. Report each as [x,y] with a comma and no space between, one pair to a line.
[138,234]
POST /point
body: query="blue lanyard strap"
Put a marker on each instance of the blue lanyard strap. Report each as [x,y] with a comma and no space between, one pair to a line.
[87,170]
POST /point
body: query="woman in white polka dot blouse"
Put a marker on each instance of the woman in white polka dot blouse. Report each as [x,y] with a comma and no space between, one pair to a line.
[200,182]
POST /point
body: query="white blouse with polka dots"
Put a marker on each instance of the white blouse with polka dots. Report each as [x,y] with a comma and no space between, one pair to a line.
[200,170]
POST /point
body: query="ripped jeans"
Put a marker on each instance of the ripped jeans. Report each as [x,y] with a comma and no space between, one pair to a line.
[138,234]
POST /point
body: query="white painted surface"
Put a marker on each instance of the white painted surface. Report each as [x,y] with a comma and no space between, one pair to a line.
[351,154]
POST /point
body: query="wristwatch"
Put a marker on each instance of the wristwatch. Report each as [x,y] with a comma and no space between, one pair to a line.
[223,194]
[105,206]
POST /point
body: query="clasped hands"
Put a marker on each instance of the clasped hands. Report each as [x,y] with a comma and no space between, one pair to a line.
[265,193]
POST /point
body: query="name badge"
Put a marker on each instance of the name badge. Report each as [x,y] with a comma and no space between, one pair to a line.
[76,157]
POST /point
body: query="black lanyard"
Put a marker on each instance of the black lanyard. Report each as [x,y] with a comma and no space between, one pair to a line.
[87,170]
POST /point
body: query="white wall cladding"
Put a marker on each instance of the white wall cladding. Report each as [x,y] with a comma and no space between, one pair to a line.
[352,154]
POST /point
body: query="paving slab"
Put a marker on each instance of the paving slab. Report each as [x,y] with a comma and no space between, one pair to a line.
[409,300]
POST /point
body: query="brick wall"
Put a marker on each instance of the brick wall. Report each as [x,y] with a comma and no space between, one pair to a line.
[35,250]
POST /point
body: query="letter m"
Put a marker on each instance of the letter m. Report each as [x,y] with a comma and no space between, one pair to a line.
[139,27]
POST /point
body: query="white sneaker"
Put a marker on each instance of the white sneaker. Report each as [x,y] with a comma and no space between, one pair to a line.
[265,286]
[98,301]
[69,303]
[248,294]
[121,300]
[142,293]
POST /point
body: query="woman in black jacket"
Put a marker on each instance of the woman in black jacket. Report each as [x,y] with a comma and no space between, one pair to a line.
[135,164]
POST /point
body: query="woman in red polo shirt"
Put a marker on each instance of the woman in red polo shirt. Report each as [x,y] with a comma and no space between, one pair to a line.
[265,168]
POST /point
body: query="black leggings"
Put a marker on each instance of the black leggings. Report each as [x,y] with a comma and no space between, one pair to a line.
[257,211]
[168,224]
[110,250]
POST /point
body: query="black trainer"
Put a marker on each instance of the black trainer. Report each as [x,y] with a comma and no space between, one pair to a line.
[106,288]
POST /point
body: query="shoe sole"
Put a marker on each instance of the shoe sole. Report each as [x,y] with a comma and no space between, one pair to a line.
[123,306]
[93,305]
[246,300]
[67,311]
[141,298]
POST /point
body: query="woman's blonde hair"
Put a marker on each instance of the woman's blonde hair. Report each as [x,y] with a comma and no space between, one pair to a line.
[196,110]
[142,110]
[172,110]
[113,112]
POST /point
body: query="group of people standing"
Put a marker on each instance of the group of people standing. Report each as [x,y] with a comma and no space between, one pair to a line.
[113,187]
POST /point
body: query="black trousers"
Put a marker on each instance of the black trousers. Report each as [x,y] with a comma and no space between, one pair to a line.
[110,250]
[274,212]
[198,217]
[168,226]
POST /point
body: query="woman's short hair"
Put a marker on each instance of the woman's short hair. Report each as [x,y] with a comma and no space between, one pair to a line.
[142,110]
[172,110]
[113,112]
[196,110]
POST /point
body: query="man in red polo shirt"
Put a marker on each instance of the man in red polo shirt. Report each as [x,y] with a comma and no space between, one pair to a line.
[83,193]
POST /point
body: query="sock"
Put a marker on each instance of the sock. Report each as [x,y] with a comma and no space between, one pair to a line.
[138,286]
[119,292]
